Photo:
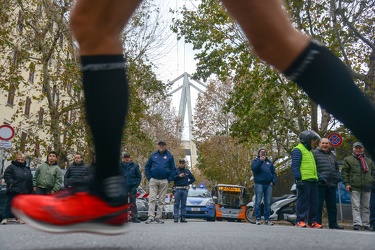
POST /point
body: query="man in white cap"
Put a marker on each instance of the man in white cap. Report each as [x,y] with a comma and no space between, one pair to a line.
[357,176]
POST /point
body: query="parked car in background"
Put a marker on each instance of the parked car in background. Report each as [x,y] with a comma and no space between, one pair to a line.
[142,207]
[200,204]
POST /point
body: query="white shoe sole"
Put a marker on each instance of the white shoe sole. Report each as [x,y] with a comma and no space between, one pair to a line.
[87,227]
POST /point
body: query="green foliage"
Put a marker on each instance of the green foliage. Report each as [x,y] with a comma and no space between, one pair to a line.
[222,160]
[268,109]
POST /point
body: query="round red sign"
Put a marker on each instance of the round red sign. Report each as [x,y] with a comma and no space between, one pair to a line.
[6,132]
[335,139]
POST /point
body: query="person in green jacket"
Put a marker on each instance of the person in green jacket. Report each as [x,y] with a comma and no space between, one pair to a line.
[358,176]
[48,176]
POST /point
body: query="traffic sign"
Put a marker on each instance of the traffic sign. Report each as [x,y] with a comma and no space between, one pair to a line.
[335,139]
[6,144]
[6,132]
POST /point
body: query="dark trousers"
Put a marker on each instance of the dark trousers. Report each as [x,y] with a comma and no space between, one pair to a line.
[372,208]
[307,202]
[7,213]
[327,194]
[133,201]
[180,197]
[40,190]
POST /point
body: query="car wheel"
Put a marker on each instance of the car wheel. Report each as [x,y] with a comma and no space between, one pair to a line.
[212,219]
[142,218]
[250,215]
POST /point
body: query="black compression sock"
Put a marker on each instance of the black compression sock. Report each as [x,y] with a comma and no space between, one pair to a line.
[106,98]
[328,82]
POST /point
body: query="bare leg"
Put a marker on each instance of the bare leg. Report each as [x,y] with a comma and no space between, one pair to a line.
[97,25]
[269,30]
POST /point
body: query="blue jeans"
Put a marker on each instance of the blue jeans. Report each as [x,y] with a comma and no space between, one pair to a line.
[260,191]
[180,197]
[7,213]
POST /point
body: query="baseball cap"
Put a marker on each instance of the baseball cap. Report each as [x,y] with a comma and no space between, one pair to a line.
[358,144]
[126,155]
[162,142]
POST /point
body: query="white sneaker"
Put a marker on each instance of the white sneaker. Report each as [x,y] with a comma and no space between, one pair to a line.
[4,221]
[149,220]
[268,223]
[257,222]
[19,221]
[159,221]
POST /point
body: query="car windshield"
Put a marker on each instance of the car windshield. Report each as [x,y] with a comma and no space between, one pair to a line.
[199,193]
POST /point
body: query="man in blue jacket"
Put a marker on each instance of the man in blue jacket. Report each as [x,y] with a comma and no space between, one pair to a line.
[160,170]
[182,180]
[132,177]
[264,178]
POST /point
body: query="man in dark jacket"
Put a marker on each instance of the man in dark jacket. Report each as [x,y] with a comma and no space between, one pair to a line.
[182,180]
[76,173]
[132,177]
[357,176]
[264,178]
[329,177]
[160,170]
[19,180]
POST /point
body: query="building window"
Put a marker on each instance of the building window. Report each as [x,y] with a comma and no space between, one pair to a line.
[27,106]
[72,116]
[37,150]
[20,21]
[41,114]
[11,95]
[23,141]
[55,94]
[15,57]
[44,88]
[32,72]
[61,41]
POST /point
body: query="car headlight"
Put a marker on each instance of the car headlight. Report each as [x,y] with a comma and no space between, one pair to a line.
[210,202]
[140,205]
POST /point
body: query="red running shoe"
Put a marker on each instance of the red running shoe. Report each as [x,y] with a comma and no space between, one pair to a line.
[70,212]
[315,225]
[301,224]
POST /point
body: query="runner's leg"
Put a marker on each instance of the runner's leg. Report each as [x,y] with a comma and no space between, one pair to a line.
[97,28]
[319,72]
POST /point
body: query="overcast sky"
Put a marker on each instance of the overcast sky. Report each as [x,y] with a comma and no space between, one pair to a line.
[180,58]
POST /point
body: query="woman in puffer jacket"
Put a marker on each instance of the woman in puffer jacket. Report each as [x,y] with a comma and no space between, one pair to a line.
[19,180]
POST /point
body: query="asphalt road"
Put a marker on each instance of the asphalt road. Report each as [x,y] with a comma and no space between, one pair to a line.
[196,234]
